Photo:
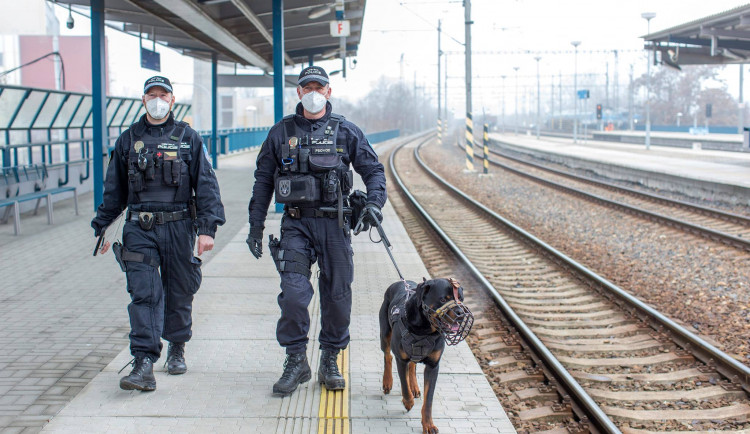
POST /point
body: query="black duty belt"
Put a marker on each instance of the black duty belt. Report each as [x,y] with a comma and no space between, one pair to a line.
[160,217]
[326,212]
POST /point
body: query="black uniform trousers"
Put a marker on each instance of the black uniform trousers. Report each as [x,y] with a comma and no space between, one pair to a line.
[161,303]
[323,240]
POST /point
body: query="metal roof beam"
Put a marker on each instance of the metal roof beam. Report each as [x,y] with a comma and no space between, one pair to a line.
[194,15]
[723,33]
[255,21]
[739,45]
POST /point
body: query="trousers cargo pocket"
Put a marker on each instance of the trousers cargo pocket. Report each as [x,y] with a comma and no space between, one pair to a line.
[197,275]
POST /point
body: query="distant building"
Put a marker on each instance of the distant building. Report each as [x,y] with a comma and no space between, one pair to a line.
[30,30]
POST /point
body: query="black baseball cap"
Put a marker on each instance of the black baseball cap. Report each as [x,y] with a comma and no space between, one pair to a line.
[157,80]
[313,73]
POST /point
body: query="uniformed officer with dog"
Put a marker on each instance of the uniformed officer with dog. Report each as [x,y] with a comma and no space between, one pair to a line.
[305,161]
[161,173]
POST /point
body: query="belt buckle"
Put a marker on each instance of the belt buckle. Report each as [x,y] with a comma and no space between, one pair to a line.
[294,213]
[146,220]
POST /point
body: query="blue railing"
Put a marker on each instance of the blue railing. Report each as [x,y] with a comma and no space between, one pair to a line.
[236,139]
[239,139]
[382,136]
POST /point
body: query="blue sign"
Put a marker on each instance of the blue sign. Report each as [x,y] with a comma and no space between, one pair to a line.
[583,94]
[150,59]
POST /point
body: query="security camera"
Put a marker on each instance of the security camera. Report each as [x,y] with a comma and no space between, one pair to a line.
[70,23]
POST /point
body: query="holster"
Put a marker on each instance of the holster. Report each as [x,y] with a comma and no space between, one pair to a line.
[192,206]
[285,260]
[117,250]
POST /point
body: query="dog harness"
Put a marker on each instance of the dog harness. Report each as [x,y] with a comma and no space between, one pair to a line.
[417,347]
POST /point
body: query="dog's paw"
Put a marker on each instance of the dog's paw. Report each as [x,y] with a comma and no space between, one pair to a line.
[416,393]
[387,384]
[429,428]
[408,404]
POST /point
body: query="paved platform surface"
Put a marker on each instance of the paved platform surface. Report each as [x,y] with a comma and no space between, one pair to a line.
[725,167]
[64,329]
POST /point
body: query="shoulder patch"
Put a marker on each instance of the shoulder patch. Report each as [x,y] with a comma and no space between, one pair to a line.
[205,152]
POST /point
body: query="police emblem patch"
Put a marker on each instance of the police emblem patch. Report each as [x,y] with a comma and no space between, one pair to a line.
[285,187]
[293,142]
[205,152]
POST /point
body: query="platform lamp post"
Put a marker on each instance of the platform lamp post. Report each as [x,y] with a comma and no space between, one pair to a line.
[538,95]
[503,103]
[515,117]
[575,91]
[648,16]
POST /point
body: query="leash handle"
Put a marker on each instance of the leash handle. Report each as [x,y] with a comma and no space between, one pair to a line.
[99,243]
[386,244]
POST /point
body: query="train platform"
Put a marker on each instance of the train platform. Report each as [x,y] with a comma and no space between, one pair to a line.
[233,358]
[724,173]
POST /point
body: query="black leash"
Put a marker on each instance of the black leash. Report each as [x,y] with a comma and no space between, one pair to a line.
[386,243]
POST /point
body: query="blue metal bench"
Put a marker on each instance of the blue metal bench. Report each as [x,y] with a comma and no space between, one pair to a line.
[11,199]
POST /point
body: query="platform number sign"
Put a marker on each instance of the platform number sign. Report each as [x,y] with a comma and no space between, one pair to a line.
[583,94]
[340,28]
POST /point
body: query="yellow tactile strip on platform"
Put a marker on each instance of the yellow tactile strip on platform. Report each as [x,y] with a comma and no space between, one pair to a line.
[333,416]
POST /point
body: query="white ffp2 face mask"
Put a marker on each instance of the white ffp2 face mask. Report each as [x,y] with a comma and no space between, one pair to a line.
[313,102]
[157,108]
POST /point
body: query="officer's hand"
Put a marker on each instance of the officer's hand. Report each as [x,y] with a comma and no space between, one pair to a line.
[205,243]
[372,214]
[104,247]
[255,241]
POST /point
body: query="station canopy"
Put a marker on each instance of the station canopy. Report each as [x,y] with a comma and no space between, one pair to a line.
[240,31]
[723,38]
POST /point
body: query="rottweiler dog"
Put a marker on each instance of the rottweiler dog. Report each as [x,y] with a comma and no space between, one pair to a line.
[416,321]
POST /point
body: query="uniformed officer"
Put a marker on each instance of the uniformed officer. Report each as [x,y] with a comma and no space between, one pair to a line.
[160,171]
[305,161]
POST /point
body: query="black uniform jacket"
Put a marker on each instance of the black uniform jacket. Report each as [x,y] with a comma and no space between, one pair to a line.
[203,182]
[361,156]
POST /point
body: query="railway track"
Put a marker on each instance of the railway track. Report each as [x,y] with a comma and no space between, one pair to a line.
[596,358]
[728,228]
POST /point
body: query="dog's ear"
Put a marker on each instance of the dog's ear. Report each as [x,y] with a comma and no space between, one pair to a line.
[457,288]
[423,288]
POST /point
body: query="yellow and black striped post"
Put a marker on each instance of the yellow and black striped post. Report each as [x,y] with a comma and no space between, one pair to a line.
[439,133]
[469,143]
[486,150]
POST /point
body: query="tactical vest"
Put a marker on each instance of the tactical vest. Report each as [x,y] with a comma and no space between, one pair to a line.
[312,169]
[158,167]
[416,347]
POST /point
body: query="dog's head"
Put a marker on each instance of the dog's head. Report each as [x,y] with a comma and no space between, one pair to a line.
[442,304]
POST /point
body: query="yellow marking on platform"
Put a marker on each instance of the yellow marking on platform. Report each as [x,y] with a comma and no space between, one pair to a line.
[333,413]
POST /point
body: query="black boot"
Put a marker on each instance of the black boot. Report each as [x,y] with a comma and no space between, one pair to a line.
[296,372]
[328,372]
[141,377]
[176,358]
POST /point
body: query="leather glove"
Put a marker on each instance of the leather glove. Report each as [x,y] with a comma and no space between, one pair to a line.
[255,241]
[372,214]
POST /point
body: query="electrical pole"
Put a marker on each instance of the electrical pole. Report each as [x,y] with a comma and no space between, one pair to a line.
[648,16]
[439,124]
[538,96]
[469,123]
[575,91]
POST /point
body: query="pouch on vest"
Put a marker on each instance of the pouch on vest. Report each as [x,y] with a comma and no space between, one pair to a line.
[323,158]
[330,186]
[291,188]
[172,167]
[135,178]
